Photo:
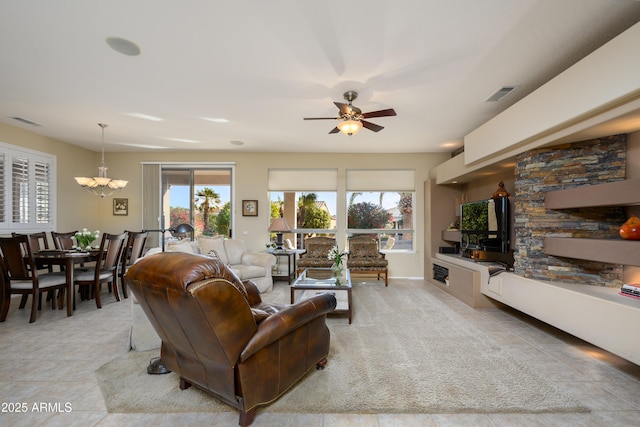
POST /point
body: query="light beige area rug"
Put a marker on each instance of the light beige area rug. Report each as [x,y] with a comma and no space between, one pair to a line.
[406,352]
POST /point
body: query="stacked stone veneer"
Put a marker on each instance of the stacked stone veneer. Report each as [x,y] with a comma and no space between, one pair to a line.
[561,167]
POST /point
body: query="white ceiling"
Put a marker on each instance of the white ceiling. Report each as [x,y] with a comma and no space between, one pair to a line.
[264,65]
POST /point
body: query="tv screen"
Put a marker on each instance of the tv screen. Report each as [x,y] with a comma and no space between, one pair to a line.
[484,225]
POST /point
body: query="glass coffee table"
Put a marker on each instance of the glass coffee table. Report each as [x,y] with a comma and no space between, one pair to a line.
[316,281]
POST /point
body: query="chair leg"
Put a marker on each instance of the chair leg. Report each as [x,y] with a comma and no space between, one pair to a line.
[23,300]
[34,306]
[115,288]
[246,418]
[124,287]
[97,295]
[6,302]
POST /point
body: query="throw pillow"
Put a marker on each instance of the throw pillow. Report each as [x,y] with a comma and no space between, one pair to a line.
[179,246]
[208,244]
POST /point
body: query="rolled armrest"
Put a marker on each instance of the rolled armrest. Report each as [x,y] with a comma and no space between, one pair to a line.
[262,259]
[280,324]
[253,294]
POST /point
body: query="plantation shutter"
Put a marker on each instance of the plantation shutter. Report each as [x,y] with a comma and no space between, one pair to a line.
[20,193]
[43,192]
[3,188]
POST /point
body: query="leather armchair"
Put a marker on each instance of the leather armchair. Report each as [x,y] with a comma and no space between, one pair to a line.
[218,334]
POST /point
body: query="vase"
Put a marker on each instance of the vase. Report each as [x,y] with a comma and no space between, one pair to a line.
[336,269]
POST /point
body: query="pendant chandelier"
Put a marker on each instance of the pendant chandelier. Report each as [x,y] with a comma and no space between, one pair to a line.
[101,185]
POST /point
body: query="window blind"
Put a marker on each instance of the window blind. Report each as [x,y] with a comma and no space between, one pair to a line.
[303,180]
[381,180]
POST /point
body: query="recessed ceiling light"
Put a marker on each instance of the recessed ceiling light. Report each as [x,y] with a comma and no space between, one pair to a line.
[236,143]
[123,46]
[215,119]
[145,116]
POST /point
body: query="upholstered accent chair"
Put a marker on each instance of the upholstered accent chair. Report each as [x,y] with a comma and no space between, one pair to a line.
[315,255]
[218,335]
[364,257]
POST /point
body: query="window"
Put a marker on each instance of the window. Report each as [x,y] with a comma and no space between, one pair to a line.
[308,213]
[27,203]
[380,204]
[200,196]
[306,198]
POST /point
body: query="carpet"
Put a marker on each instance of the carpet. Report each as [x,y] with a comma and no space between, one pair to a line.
[406,352]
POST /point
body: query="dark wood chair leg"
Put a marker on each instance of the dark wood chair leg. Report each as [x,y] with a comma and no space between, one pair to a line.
[246,418]
[184,384]
[97,295]
[34,307]
[6,302]
[23,300]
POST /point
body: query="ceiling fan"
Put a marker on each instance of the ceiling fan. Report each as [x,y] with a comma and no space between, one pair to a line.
[352,118]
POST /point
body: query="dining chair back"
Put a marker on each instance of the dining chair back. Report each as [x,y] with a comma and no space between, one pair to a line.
[106,267]
[21,276]
[131,252]
[63,241]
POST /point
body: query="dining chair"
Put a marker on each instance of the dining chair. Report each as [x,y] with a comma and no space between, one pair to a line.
[63,241]
[106,267]
[38,242]
[131,252]
[21,276]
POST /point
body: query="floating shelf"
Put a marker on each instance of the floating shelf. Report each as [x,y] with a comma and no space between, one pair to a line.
[619,193]
[613,251]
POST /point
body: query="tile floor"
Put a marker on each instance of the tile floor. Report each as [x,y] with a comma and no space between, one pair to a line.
[52,362]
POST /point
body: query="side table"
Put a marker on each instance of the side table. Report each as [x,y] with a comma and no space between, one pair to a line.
[290,255]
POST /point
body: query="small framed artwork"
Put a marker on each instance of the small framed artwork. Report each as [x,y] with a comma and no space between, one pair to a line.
[249,208]
[121,206]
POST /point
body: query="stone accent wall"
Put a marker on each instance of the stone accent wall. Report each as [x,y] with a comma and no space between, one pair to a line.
[561,167]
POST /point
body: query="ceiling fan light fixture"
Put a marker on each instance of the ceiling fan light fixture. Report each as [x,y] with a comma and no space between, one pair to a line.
[350,127]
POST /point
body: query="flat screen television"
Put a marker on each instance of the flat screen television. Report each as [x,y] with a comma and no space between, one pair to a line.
[484,225]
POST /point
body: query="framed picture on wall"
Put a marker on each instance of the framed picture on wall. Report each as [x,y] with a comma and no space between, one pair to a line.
[249,208]
[121,206]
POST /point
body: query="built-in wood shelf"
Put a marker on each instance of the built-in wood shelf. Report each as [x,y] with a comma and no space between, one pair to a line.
[619,193]
[613,251]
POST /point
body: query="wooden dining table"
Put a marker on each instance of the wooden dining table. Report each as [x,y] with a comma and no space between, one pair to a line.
[67,259]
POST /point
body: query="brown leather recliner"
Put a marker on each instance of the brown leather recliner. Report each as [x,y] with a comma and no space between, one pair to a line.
[217,333]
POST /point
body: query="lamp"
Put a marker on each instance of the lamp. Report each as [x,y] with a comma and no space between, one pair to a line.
[101,185]
[349,127]
[183,229]
[279,226]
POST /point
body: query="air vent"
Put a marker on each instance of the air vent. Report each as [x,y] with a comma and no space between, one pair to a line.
[501,93]
[25,121]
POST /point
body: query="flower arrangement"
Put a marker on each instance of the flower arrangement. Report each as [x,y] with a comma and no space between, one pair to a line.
[336,255]
[85,237]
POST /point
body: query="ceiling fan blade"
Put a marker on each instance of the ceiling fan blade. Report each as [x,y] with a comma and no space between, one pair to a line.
[380,113]
[334,130]
[344,108]
[320,118]
[371,126]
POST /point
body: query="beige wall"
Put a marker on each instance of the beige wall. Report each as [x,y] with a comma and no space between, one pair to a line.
[77,209]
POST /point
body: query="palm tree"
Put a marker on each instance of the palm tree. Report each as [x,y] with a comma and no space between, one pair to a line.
[304,202]
[208,201]
[352,198]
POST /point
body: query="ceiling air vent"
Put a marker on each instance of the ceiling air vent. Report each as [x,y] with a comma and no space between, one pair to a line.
[25,121]
[501,93]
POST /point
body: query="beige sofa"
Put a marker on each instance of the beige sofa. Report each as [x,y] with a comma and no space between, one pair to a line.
[252,266]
